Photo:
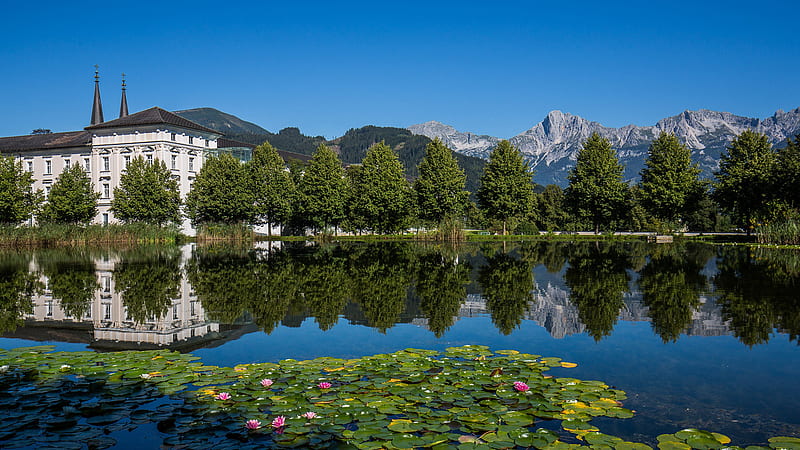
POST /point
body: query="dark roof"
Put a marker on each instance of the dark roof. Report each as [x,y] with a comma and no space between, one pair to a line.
[224,142]
[45,141]
[152,116]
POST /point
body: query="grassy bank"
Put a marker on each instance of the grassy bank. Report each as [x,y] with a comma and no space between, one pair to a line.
[75,236]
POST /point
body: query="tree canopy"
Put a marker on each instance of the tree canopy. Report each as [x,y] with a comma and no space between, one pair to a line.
[271,186]
[324,190]
[220,193]
[440,187]
[743,184]
[72,199]
[669,180]
[18,200]
[506,187]
[596,193]
[381,198]
[147,193]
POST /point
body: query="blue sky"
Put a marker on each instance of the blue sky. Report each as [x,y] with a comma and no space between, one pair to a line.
[487,67]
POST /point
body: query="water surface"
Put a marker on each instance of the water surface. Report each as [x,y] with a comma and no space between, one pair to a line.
[697,335]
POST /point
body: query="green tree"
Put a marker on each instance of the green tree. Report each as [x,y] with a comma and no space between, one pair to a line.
[550,212]
[381,198]
[440,187]
[324,190]
[596,193]
[220,193]
[743,184]
[272,187]
[72,199]
[506,185]
[147,193]
[788,173]
[18,200]
[669,179]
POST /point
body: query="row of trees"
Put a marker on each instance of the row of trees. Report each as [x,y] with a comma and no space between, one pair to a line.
[147,193]
[755,183]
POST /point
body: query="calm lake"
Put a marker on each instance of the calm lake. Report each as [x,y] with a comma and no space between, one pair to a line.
[698,335]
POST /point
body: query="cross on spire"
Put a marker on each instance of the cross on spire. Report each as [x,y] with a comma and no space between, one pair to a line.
[97,106]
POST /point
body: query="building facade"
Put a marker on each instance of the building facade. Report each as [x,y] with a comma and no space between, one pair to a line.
[104,148]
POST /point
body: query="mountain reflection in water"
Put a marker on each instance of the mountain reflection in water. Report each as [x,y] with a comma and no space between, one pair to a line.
[698,335]
[191,297]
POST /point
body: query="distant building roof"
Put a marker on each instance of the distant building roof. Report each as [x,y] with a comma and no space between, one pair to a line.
[152,116]
[45,141]
[224,142]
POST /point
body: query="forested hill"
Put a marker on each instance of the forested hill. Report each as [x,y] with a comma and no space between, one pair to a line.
[352,148]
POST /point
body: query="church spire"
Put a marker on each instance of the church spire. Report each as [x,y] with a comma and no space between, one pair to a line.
[123,106]
[97,106]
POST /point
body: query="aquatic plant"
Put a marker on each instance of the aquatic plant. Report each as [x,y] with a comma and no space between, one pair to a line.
[463,397]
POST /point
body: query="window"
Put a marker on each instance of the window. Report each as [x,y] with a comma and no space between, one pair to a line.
[127,161]
[47,191]
[106,281]
[191,164]
[48,167]
[174,161]
[106,190]
[50,308]
[206,142]
[172,136]
[106,164]
[66,164]
[105,218]
[107,311]
[150,159]
[191,140]
[30,166]
[175,311]
[86,165]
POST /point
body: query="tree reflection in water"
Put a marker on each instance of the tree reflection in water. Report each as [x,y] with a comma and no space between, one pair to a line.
[672,283]
[507,283]
[597,278]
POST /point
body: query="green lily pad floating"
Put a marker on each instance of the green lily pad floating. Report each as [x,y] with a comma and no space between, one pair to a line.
[464,397]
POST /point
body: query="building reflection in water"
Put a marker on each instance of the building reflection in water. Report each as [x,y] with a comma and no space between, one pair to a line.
[106,321]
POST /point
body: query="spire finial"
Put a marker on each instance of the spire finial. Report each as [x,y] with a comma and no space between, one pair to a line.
[97,106]
[123,105]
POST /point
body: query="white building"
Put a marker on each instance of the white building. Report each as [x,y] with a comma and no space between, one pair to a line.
[104,148]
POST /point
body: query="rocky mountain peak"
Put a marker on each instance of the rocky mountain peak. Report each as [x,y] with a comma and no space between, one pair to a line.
[552,145]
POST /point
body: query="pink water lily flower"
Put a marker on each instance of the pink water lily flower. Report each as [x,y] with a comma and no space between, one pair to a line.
[324,385]
[253,424]
[309,415]
[223,396]
[279,422]
[266,382]
[520,386]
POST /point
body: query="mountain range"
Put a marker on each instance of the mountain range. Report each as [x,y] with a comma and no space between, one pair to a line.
[351,147]
[551,146]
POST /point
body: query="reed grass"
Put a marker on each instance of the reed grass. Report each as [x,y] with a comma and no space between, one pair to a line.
[779,233]
[61,235]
